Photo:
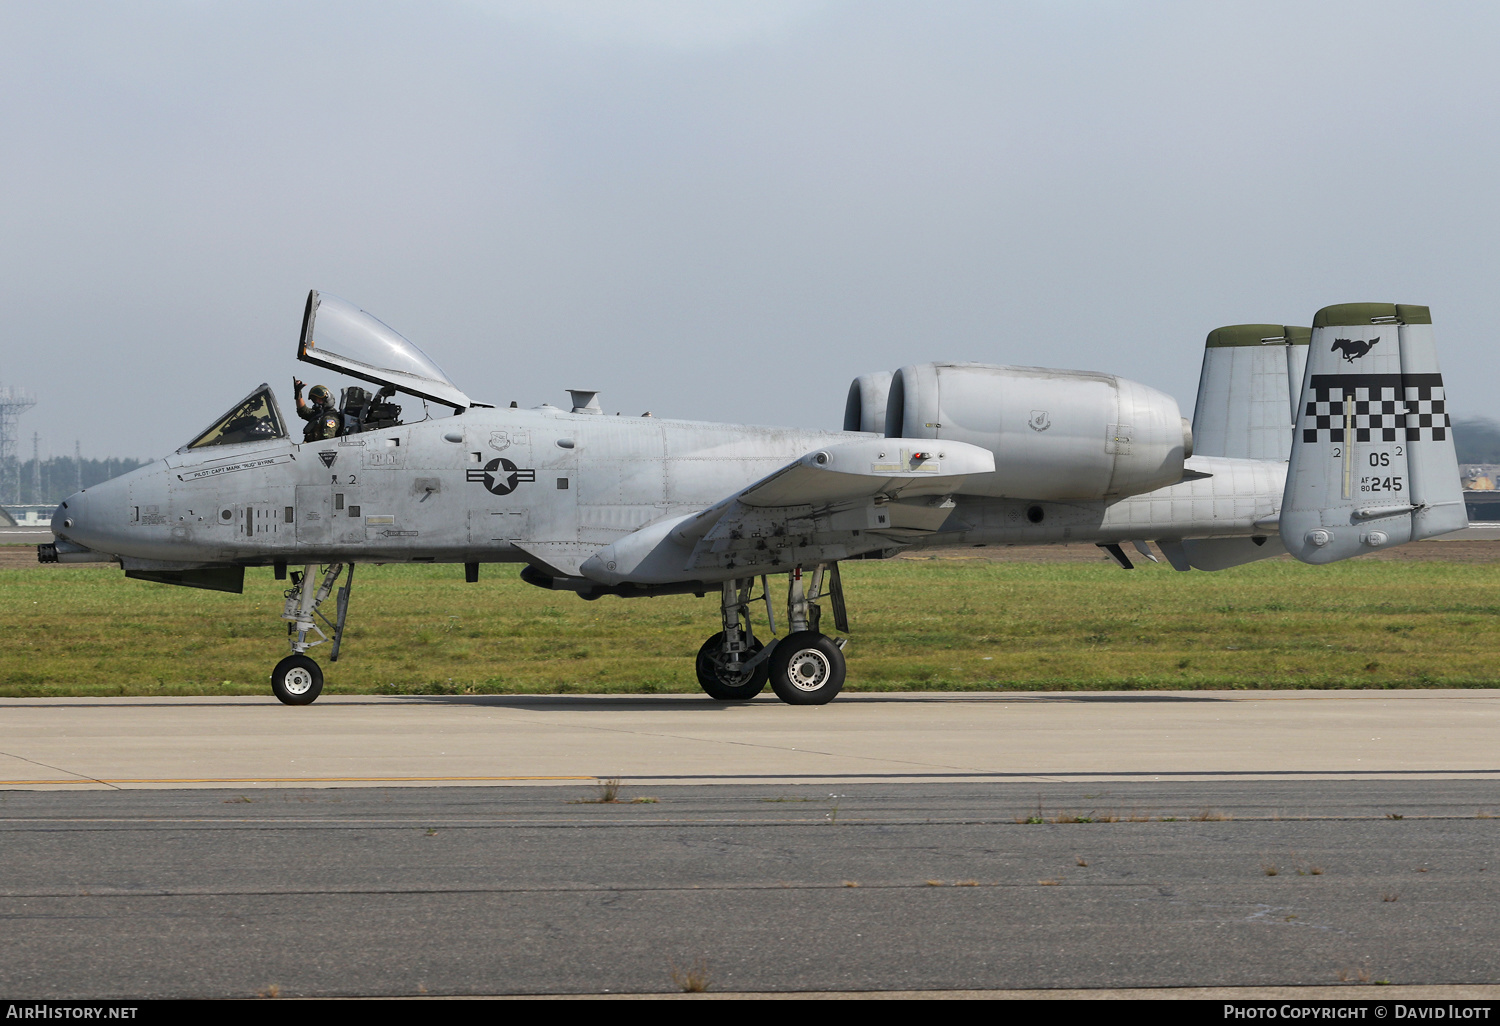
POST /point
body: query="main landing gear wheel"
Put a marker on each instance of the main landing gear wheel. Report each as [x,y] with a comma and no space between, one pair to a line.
[807,668]
[297,680]
[717,677]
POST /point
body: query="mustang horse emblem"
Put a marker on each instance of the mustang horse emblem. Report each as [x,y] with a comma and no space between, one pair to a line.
[1353,349]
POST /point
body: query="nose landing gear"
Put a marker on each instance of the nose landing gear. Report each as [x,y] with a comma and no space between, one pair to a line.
[297,679]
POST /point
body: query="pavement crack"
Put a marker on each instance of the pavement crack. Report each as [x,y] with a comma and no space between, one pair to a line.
[59,769]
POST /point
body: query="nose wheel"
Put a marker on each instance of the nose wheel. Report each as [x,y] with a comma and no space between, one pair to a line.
[297,680]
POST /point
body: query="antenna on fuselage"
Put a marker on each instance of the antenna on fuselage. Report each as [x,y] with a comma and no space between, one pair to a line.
[586,400]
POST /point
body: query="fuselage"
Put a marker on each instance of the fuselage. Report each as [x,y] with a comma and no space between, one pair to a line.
[501,485]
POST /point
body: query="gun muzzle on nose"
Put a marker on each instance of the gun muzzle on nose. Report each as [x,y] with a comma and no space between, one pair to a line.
[68,552]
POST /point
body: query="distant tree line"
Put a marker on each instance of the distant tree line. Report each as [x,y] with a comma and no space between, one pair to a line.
[25,484]
[1477,439]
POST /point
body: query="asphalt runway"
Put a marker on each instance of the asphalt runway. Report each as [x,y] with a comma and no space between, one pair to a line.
[1287,843]
[796,888]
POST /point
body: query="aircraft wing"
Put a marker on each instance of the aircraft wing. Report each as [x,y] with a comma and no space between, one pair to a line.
[836,502]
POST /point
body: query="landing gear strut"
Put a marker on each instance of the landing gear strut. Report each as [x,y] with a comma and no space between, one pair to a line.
[732,664]
[804,668]
[297,679]
[807,667]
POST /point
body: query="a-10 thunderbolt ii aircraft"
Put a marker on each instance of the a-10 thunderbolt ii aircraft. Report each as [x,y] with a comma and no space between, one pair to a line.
[1326,443]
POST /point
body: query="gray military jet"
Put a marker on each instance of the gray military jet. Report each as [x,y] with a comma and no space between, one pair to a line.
[1301,448]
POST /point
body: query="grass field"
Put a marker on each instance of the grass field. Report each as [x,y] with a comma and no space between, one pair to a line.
[917,625]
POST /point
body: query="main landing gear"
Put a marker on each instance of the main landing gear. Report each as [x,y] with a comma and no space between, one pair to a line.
[297,679]
[804,668]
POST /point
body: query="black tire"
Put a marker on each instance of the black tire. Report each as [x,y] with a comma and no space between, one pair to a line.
[297,680]
[807,668]
[715,679]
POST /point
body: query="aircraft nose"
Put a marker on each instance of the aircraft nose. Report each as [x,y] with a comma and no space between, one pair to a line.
[65,516]
[93,517]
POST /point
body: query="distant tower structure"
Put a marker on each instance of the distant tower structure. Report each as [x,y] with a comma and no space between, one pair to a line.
[13,403]
[77,465]
[36,467]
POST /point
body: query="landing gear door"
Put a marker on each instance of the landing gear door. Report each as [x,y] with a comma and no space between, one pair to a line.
[340,336]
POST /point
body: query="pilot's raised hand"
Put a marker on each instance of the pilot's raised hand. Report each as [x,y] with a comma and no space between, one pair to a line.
[297,385]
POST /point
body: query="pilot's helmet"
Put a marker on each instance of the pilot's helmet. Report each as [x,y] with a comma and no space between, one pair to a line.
[320,395]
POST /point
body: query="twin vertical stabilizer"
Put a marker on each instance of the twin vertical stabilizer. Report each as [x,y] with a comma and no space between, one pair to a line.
[1248,391]
[1373,462]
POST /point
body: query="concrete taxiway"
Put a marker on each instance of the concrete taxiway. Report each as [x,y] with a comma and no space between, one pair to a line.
[21,534]
[344,741]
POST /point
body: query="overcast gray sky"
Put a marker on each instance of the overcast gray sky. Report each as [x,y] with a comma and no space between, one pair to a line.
[721,210]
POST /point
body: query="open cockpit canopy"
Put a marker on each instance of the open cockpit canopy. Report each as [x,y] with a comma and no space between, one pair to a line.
[256,418]
[340,336]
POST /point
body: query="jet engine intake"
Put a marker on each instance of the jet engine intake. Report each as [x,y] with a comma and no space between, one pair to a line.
[1056,435]
[865,408]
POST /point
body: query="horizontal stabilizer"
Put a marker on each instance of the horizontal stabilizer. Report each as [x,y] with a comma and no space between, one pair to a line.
[1220,553]
[1373,462]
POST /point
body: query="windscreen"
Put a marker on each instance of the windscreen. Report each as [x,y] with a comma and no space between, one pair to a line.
[256,418]
[339,335]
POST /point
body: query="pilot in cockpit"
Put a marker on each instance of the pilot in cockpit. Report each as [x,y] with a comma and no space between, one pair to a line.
[323,421]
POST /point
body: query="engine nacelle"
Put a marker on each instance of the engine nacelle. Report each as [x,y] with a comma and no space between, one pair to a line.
[865,409]
[1055,434]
